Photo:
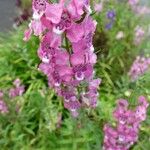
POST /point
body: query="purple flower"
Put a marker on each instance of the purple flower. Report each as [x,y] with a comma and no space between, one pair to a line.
[109,25]
[111,14]
[111,17]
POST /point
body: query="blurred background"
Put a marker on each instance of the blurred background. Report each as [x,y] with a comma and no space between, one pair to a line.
[13,13]
[8,11]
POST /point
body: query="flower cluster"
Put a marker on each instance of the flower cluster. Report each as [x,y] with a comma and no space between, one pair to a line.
[3,106]
[133,3]
[137,8]
[139,35]
[66,31]
[98,7]
[18,90]
[111,14]
[139,67]
[125,134]
[142,10]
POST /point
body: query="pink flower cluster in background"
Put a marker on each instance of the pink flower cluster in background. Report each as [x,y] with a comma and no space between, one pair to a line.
[125,134]
[137,8]
[133,3]
[3,106]
[139,35]
[142,10]
[98,7]
[18,90]
[139,67]
[66,31]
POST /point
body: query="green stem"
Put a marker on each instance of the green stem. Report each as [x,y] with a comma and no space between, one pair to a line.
[67,45]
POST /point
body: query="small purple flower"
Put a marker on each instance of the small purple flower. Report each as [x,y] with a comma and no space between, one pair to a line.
[111,17]
[109,25]
[111,14]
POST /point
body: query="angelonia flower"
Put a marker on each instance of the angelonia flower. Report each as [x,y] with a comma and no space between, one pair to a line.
[98,7]
[125,133]
[133,3]
[142,10]
[139,67]
[111,15]
[139,35]
[3,106]
[66,51]
[109,25]
[17,90]
[137,8]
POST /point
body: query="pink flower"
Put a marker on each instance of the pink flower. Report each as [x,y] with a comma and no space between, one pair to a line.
[27,34]
[142,10]
[37,27]
[39,5]
[75,33]
[53,12]
[3,106]
[139,67]
[125,133]
[143,102]
[139,35]
[66,50]
[75,8]
[18,90]
[133,2]
[98,7]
